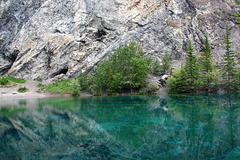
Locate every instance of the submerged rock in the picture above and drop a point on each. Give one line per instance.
(44, 38)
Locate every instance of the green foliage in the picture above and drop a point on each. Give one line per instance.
(203, 77)
(40, 90)
(156, 67)
(38, 79)
(16, 80)
(4, 81)
(177, 83)
(210, 81)
(229, 65)
(97, 81)
(10, 80)
(237, 78)
(83, 81)
(238, 2)
(208, 77)
(206, 59)
(125, 70)
(237, 17)
(140, 92)
(22, 89)
(238, 55)
(151, 88)
(191, 68)
(166, 62)
(61, 86)
(78, 84)
(75, 87)
(40, 85)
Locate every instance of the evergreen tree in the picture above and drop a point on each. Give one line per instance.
(229, 65)
(208, 76)
(166, 62)
(191, 68)
(206, 57)
(177, 83)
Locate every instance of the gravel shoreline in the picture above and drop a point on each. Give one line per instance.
(7, 93)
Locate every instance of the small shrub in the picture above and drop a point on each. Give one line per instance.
(22, 89)
(166, 62)
(156, 68)
(40, 85)
(39, 90)
(4, 81)
(151, 88)
(38, 79)
(237, 17)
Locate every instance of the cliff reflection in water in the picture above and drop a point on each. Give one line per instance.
(129, 127)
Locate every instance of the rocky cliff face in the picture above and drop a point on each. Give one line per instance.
(49, 38)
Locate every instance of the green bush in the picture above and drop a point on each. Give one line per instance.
(60, 86)
(16, 80)
(38, 79)
(177, 83)
(237, 17)
(166, 62)
(4, 81)
(151, 88)
(124, 70)
(75, 87)
(78, 84)
(22, 89)
(156, 67)
(210, 81)
(83, 81)
(40, 85)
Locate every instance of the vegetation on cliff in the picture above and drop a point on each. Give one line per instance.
(125, 70)
(204, 74)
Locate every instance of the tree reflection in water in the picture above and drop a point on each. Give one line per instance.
(128, 127)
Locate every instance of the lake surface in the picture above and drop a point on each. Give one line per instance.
(185, 127)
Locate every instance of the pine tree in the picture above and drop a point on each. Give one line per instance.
(166, 62)
(206, 57)
(191, 68)
(208, 76)
(229, 65)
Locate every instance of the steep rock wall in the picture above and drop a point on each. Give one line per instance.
(64, 37)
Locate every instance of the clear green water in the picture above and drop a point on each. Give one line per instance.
(184, 127)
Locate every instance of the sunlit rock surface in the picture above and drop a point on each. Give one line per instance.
(49, 38)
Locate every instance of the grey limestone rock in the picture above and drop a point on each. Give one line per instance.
(48, 38)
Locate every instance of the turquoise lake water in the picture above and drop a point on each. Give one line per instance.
(184, 127)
